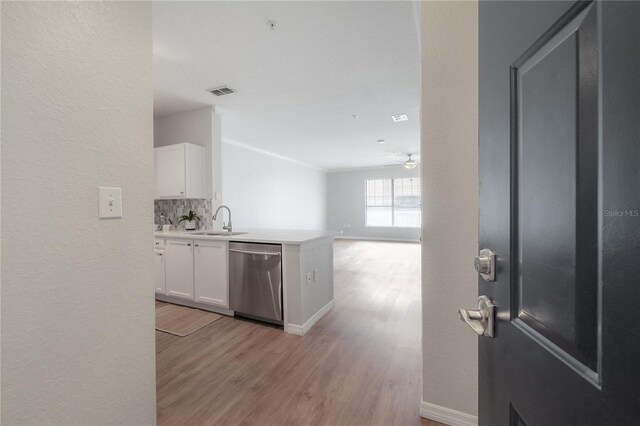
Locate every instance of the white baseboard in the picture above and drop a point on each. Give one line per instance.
(316, 317)
(397, 240)
(293, 329)
(446, 415)
(301, 330)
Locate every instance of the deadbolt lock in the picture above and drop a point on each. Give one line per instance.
(485, 264)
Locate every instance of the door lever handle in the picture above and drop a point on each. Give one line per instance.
(481, 320)
(473, 319)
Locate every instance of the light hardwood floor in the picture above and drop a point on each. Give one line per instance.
(359, 365)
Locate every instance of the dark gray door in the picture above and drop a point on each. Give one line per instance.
(559, 158)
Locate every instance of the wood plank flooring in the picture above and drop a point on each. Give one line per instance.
(359, 365)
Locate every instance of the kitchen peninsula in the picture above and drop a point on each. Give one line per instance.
(193, 268)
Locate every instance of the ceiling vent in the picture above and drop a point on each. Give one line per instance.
(222, 90)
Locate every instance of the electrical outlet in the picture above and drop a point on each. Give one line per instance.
(316, 275)
(309, 278)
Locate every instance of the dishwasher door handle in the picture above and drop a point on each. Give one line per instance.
(262, 253)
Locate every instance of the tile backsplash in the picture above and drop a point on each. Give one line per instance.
(173, 209)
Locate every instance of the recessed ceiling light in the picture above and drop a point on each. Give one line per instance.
(399, 117)
(381, 141)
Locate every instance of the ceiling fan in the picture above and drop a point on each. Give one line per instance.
(410, 163)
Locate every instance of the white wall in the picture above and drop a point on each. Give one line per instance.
(202, 127)
(78, 341)
(192, 126)
(346, 203)
(450, 188)
(264, 191)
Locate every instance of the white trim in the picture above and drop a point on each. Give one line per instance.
(194, 304)
(316, 317)
(211, 107)
(367, 168)
(398, 240)
(293, 329)
(285, 285)
(302, 330)
(272, 154)
(446, 415)
(417, 21)
(390, 227)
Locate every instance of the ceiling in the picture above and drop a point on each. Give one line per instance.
(300, 84)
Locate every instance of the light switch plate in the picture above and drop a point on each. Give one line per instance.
(109, 202)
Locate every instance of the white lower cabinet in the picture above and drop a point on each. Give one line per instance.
(194, 270)
(210, 270)
(179, 268)
(159, 272)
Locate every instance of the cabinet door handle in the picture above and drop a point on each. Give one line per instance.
(189, 245)
(197, 245)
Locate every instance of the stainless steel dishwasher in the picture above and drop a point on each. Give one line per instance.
(255, 281)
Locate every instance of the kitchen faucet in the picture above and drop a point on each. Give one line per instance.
(228, 226)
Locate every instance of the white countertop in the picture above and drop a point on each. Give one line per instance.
(274, 236)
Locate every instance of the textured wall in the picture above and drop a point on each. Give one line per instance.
(266, 192)
(77, 292)
(346, 203)
(450, 186)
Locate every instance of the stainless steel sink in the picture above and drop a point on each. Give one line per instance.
(217, 234)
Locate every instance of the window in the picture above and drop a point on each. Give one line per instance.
(393, 202)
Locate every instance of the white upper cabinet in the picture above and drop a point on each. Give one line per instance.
(179, 171)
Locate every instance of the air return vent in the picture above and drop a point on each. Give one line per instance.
(222, 90)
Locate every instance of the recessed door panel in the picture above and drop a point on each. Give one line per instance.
(555, 287)
(547, 180)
